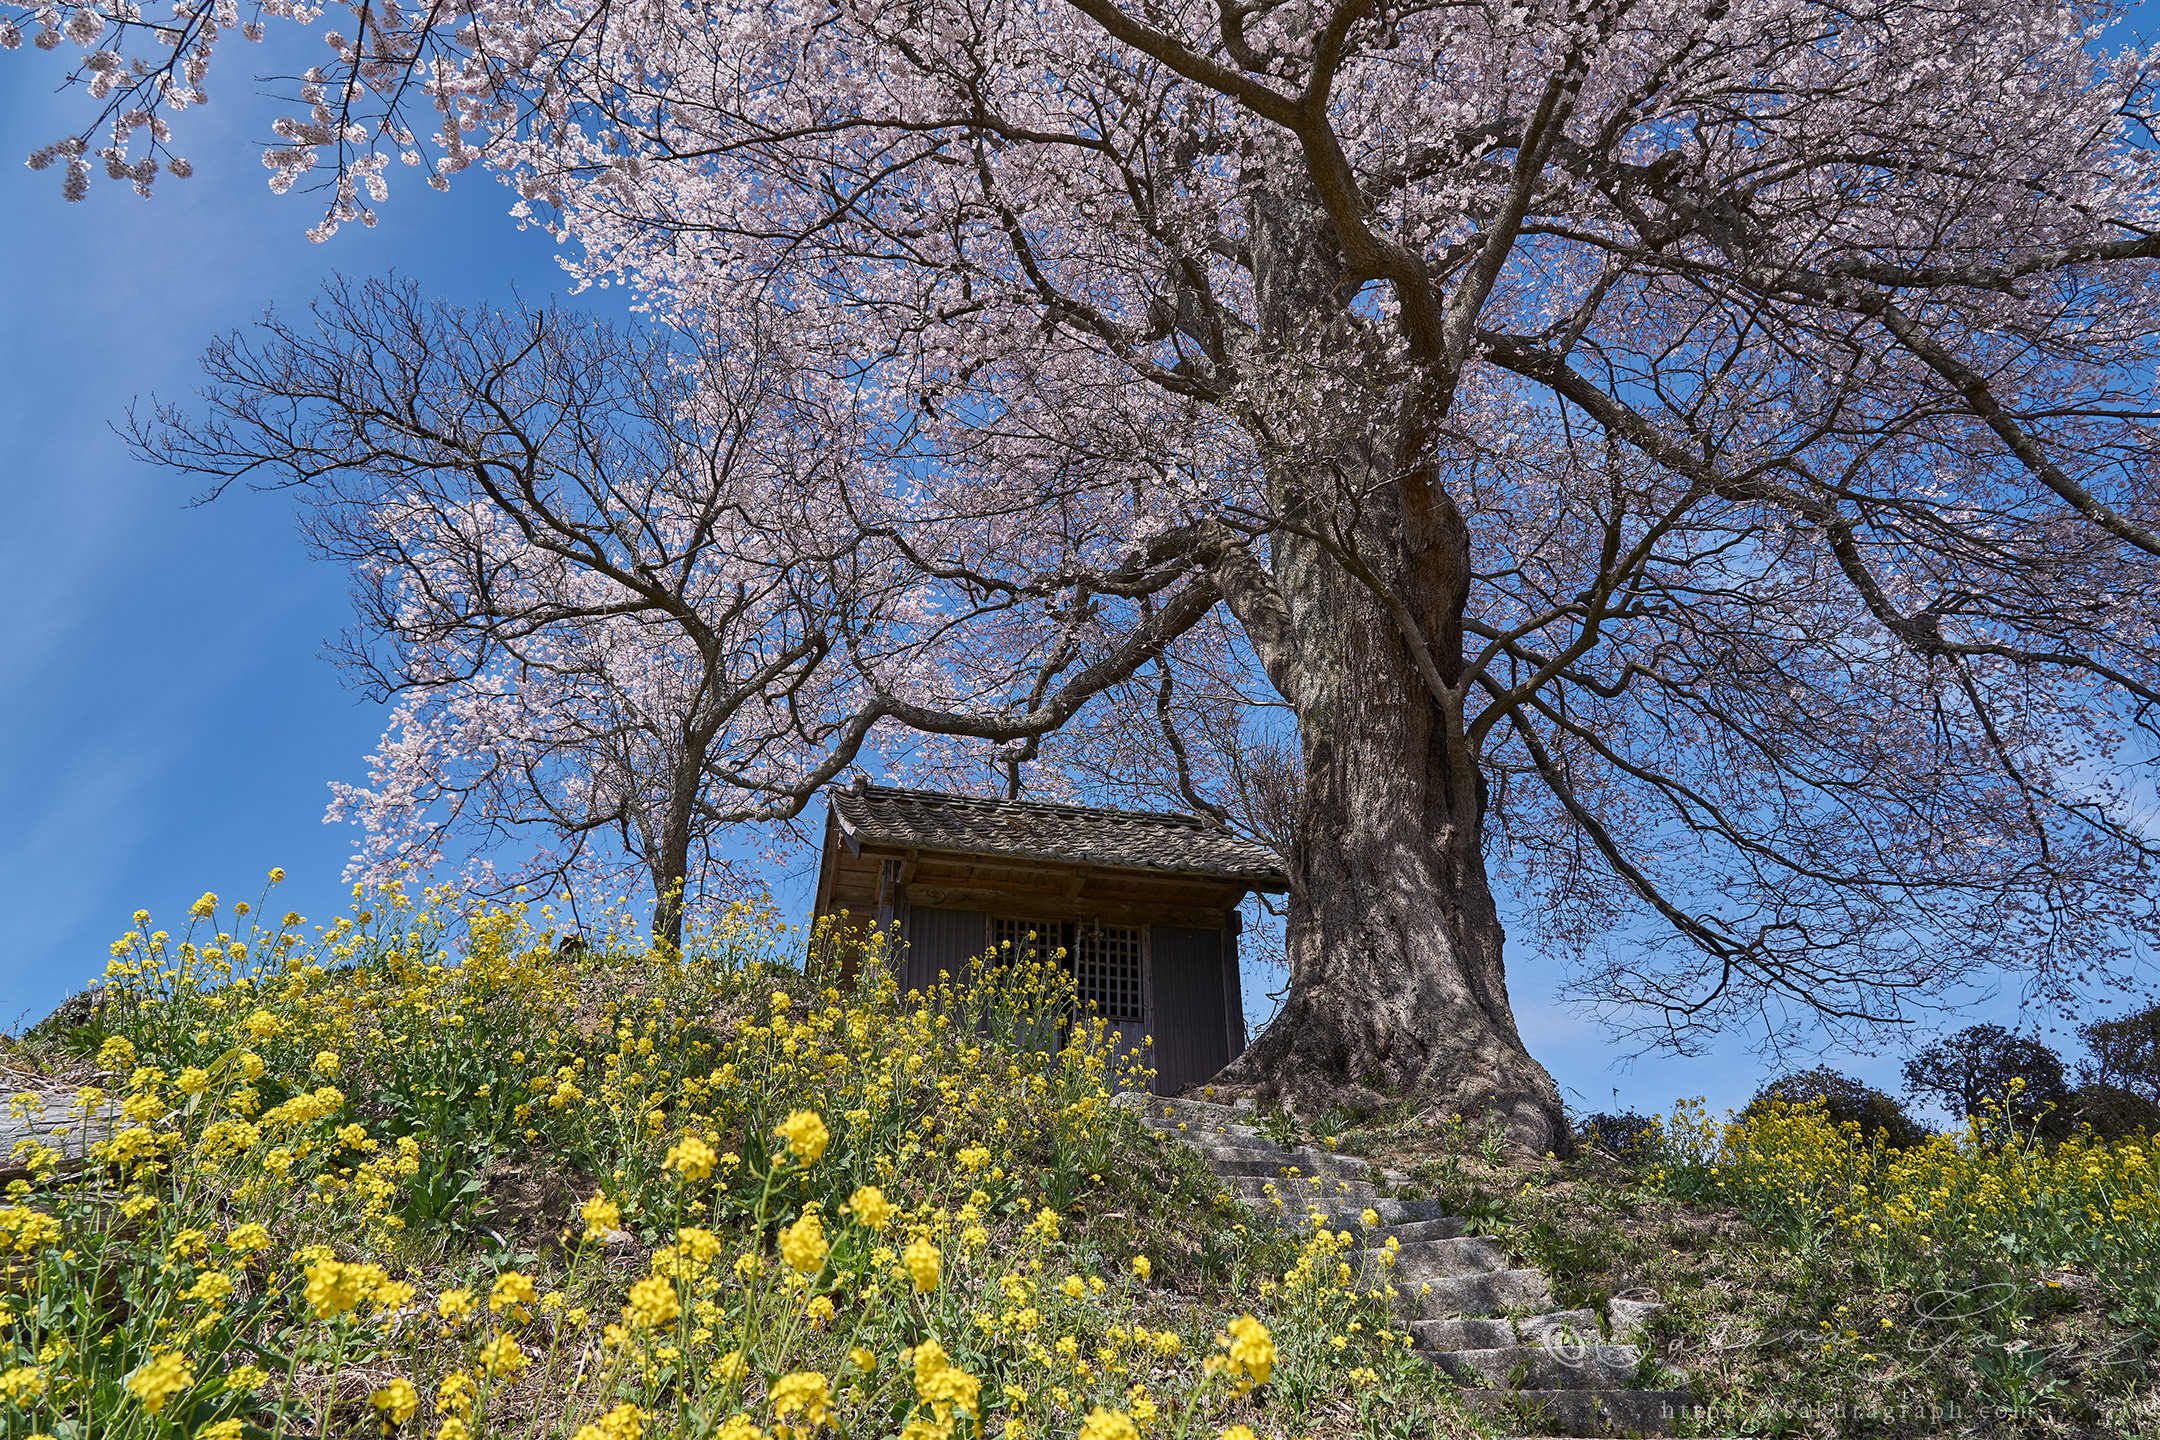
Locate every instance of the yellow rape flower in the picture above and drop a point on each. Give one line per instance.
(601, 1215)
(1104, 1424)
(803, 1393)
(212, 1287)
(391, 1295)
(872, 1209)
(942, 1385)
(653, 1304)
(513, 1292)
(1250, 1351)
(921, 1260)
(503, 1358)
(691, 1157)
(396, 1401)
(624, 1422)
(806, 1135)
(455, 1395)
(159, 1379)
(335, 1287)
(700, 1246)
(26, 1231)
(803, 1246)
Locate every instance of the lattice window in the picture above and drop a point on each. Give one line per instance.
(1106, 973)
(1049, 938)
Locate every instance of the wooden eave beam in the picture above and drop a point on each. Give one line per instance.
(828, 863)
(1095, 875)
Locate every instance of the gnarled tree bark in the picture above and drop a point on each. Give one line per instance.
(1394, 941)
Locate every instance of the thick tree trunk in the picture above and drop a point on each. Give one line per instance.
(667, 923)
(668, 856)
(1396, 983)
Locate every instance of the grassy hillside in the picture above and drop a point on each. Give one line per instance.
(1817, 1281)
(404, 1177)
(356, 1188)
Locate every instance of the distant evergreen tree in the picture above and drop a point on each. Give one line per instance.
(1975, 1073)
(2126, 1053)
(2119, 1088)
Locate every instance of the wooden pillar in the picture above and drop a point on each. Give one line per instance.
(1233, 984)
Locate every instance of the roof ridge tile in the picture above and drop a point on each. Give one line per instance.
(1056, 831)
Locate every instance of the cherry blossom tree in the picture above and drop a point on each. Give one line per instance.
(1693, 455)
(584, 569)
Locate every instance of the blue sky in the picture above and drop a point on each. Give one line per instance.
(170, 726)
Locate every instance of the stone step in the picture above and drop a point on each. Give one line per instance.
(1298, 1195)
(1556, 1329)
(1210, 1129)
(1535, 1367)
(1633, 1313)
(1463, 1334)
(1586, 1412)
(1454, 1286)
(1222, 1135)
(1396, 1217)
(1439, 1259)
(1226, 1160)
(1447, 1227)
(51, 1118)
(1563, 1327)
(1495, 1292)
(1169, 1111)
(1209, 1141)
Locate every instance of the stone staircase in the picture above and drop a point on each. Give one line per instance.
(47, 1116)
(1490, 1325)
